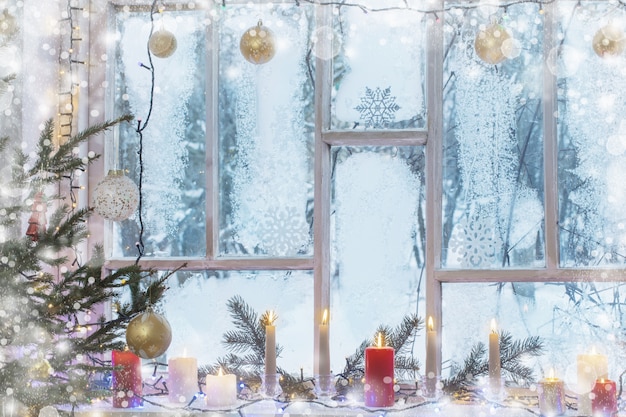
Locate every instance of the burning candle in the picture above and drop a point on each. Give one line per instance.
(221, 390)
(182, 382)
(591, 367)
(431, 359)
(324, 347)
(379, 374)
(126, 379)
(551, 396)
(494, 358)
(270, 344)
(604, 398)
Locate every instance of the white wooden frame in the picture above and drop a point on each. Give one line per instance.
(324, 140)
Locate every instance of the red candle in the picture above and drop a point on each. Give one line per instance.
(379, 374)
(126, 379)
(604, 398)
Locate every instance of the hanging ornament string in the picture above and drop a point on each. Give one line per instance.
(141, 126)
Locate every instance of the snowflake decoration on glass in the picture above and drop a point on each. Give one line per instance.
(475, 241)
(377, 108)
(283, 232)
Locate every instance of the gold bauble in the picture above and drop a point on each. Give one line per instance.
(40, 370)
(148, 334)
(488, 43)
(609, 41)
(162, 43)
(257, 44)
(8, 25)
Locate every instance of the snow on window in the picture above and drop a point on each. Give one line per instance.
(377, 251)
(592, 137)
(493, 205)
(173, 148)
(378, 69)
(265, 136)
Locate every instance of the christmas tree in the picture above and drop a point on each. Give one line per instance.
(51, 342)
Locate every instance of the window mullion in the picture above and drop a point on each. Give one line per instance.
(550, 146)
(434, 172)
(212, 142)
(321, 231)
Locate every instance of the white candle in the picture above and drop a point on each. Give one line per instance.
(270, 345)
(220, 390)
(431, 357)
(590, 367)
(324, 348)
(494, 358)
(182, 381)
(551, 396)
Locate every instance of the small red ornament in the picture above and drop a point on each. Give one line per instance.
(37, 220)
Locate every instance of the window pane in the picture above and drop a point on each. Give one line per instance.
(592, 135)
(196, 307)
(266, 136)
(377, 236)
(493, 143)
(378, 68)
(569, 317)
(173, 146)
(11, 94)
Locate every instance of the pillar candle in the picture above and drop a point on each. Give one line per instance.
(551, 396)
(604, 398)
(270, 345)
(182, 381)
(494, 358)
(126, 379)
(590, 367)
(431, 358)
(324, 346)
(379, 374)
(221, 390)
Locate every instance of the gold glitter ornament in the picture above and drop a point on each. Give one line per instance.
(40, 370)
(162, 43)
(148, 334)
(609, 41)
(489, 42)
(257, 44)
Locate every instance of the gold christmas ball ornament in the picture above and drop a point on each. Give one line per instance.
(40, 370)
(489, 43)
(609, 41)
(148, 334)
(257, 44)
(162, 43)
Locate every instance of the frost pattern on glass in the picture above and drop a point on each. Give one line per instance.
(569, 317)
(376, 244)
(173, 184)
(592, 141)
(195, 306)
(384, 49)
(265, 149)
(377, 108)
(493, 210)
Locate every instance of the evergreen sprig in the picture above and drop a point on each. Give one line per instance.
(512, 354)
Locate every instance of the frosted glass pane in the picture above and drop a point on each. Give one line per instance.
(377, 243)
(493, 142)
(592, 138)
(378, 68)
(14, 53)
(265, 136)
(570, 318)
(196, 307)
(174, 149)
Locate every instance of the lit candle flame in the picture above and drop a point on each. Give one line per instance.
(494, 327)
(220, 372)
(184, 352)
(431, 326)
(593, 350)
(271, 317)
(325, 317)
(551, 373)
(380, 339)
